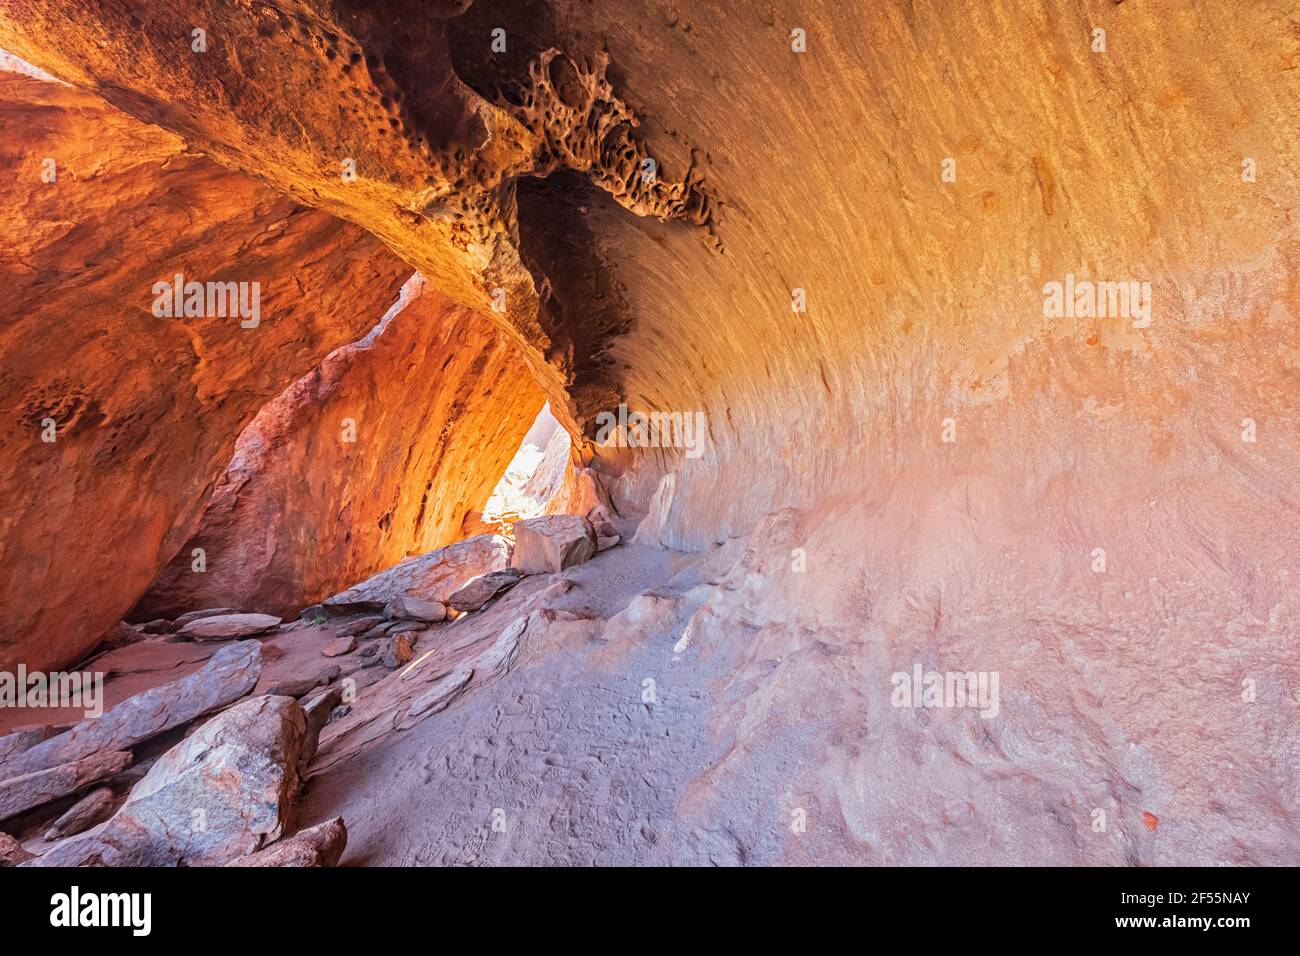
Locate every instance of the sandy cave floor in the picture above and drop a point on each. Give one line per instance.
(561, 752)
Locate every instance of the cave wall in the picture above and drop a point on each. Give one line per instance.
(357, 108)
(145, 410)
(376, 455)
(923, 466)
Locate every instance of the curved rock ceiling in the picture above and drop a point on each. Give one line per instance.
(853, 259)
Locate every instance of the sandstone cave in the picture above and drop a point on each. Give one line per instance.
(985, 552)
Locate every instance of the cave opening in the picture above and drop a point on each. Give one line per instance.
(533, 477)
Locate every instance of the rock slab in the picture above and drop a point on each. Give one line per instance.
(552, 543)
(228, 675)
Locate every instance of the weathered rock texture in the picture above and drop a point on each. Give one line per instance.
(435, 576)
(376, 455)
(227, 676)
(360, 110)
(144, 410)
(321, 845)
(42, 786)
(220, 794)
(552, 543)
(910, 462)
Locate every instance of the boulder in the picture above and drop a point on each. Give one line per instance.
(227, 676)
(407, 608)
(321, 845)
(222, 793)
(95, 807)
(227, 627)
(42, 786)
(478, 591)
(552, 543)
(431, 577)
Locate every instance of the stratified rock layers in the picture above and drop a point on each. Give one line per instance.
(120, 421)
(1099, 508)
(376, 455)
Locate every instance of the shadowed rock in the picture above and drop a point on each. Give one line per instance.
(42, 786)
(12, 852)
(93, 808)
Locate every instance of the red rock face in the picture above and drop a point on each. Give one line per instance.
(360, 110)
(375, 456)
(911, 456)
(143, 411)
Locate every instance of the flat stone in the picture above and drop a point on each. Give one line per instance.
(340, 646)
(227, 627)
(186, 618)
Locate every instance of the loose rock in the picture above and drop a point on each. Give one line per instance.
(340, 646)
(42, 786)
(398, 651)
(552, 543)
(95, 807)
(478, 591)
(228, 675)
(236, 776)
(321, 845)
(225, 627)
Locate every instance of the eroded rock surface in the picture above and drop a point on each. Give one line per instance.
(552, 543)
(219, 795)
(227, 676)
(430, 577)
(884, 451)
(377, 454)
(121, 419)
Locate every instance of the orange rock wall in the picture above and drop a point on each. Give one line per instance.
(145, 410)
(376, 455)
